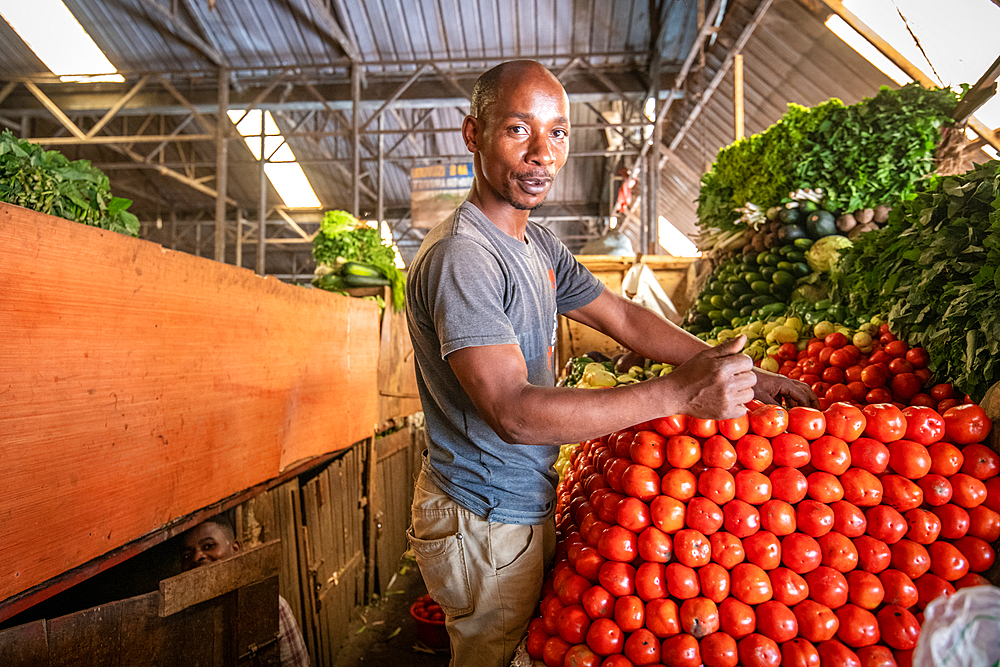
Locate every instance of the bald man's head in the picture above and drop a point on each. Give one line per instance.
(490, 85)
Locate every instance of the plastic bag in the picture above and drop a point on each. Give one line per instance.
(641, 286)
(961, 630)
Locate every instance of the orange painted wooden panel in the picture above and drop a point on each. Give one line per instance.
(138, 384)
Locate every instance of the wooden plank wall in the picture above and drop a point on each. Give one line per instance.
(575, 339)
(141, 384)
(397, 378)
(397, 467)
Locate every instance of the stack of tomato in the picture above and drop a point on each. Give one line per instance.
(795, 538)
(836, 370)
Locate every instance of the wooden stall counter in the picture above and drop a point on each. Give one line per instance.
(138, 385)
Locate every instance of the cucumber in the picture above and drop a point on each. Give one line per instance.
(360, 270)
(352, 280)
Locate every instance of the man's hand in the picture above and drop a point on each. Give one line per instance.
(716, 382)
(771, 387)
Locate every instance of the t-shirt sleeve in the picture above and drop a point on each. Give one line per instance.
(464, 296)
(576, 286)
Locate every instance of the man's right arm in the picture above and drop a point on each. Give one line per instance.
(715, 383)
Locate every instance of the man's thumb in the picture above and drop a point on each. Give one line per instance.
(727, 347)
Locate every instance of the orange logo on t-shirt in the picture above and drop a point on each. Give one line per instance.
(552, 278)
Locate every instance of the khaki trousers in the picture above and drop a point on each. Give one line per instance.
(486, 576)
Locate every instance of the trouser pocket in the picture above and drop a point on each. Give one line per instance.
(442, 563)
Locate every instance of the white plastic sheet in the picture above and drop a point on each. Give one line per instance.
(962, 630)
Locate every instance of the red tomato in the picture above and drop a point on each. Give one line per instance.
(937, 489)
(970, 580)
(682, 581)
(799, 653)
(598, 603)
(910, 558)
(630, 613)
(817, 622)
(776, 621)
(683, 650)
(909, 459)
(643, 648)
(753, 487)
(790, 449)
(778, 517)
(571, 589)
(669, 426)
(650, 582)
(830, 454)
(814, 518)
(617, 578)
(718, 650)
(901, 493)
(717, 485)
(655, 545)
(873, 554)
(763, 549)
(875, 375)
(885, 422)
(940, 392)
(848, 519)
(968, 492)
(573, 624)
(984, 523)
(662, 617)
(833, 652)
(827, 586)
(861, 487)
(648, 448)
(800, 553)
(931, 586)
(641, 482)
(981, 462)
(679, 483)
(864, 589)
(692, 548)
(581, 656)
(923, 425)
(918, 357)
(858, 627)
(536, 643)
(554, 651)
(718, 452)
(905, 386)
(788, 484)
(966, 423)
(769, 421)
(667, 513)
(844, 421)
(632, 514)
(736, 618)
(898, 627)
(947, 561)
(605, 637)
(754, 452)
(704, 515)
(702, 428)
(618, 544)
(924, 526)
(699, 617)
(955, 521)
(946, 458)
(756, 650)
(735, 428)
(825, 487)
(727, 550)
(714, 580)
(899, 588)
(750, 584)
(808, 423)
(886, 524)
(870, 454)
(788, 587)
(741, 518)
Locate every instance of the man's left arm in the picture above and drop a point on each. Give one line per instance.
(646, 333)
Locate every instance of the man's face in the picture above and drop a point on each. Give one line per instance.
(523, 140)
(207, 543)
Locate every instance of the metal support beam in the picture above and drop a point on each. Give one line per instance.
(380, 186)
(222, 166)
(914, 72)
(611, 85)
(117, 106)
(332, 27)
(392, 99)
(55, 111)
(262, 211)
(124, 140)
(451, 81)
(356, 139)
(738, 93)
(185, 33)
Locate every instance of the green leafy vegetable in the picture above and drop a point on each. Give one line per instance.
(343, 238)
(47, 182)
(934, 269)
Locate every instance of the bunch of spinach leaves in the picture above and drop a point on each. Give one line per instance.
(342, 238)
(935, 269)
(46, 181)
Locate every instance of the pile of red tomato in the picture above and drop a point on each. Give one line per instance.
(892, 371)
(797, 538)
(427, 609)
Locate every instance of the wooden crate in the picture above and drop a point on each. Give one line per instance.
(140, 384)
(672, 273)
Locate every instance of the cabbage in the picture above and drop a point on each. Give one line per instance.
(823, 254)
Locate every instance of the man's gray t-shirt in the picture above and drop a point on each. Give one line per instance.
(471, 285)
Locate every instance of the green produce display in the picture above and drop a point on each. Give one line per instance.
(349, 253)
(935, 269)
(859, 156)
(48, 182)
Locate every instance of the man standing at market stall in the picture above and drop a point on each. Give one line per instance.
(483, 298)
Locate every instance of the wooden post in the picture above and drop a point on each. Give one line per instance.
(262, 210)
(356, 139)
(221, 166)
(738, 87)
(370, 491)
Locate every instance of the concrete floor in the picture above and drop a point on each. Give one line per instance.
(386, 634)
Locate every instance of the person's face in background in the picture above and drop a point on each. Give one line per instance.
(207, 543)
